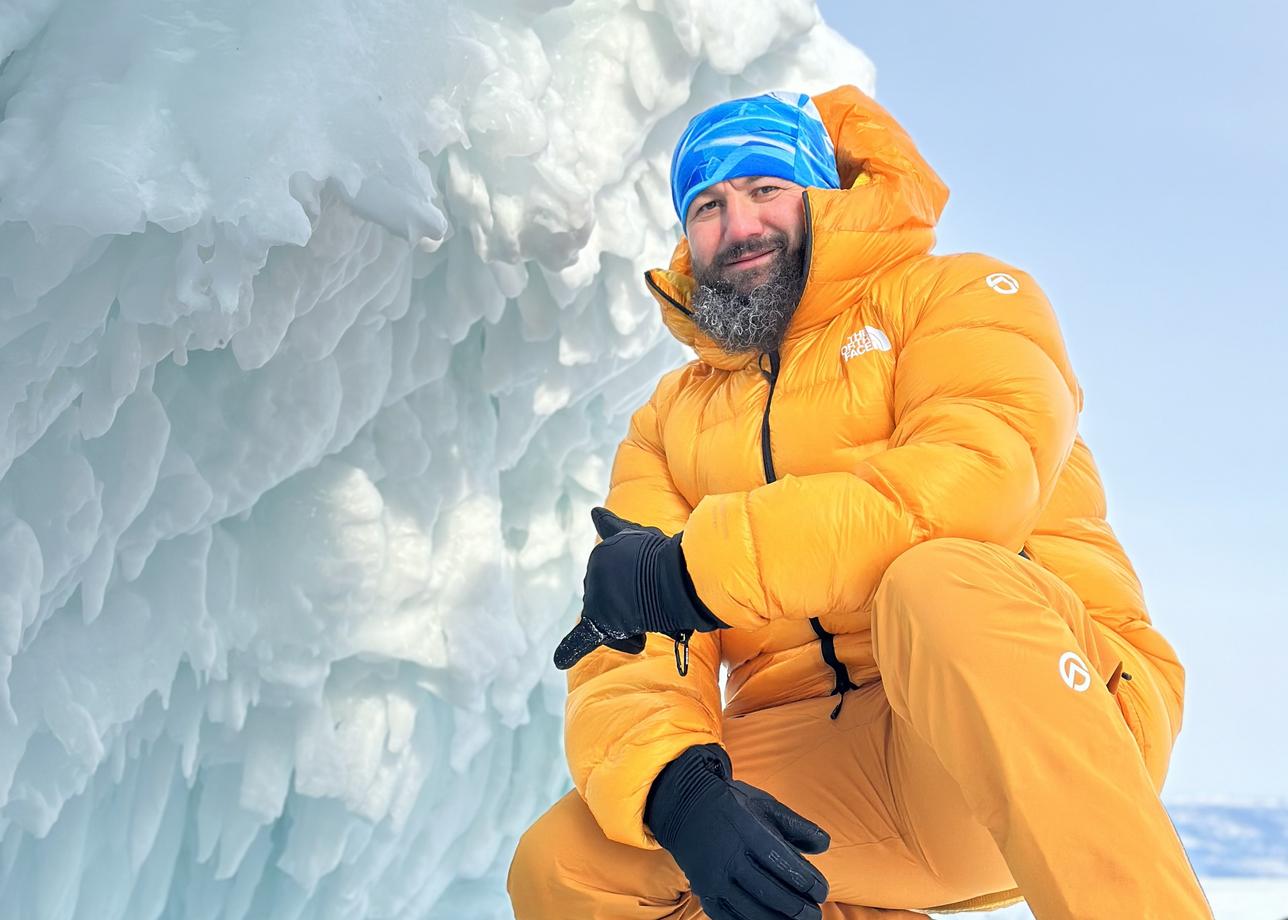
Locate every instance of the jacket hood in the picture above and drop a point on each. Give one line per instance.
(885, 211)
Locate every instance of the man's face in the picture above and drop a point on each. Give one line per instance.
(747, 238)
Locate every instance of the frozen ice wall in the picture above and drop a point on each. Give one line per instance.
(319, 323)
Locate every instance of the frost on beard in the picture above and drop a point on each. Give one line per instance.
(319, 324)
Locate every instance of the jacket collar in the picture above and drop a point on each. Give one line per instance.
(885, 212)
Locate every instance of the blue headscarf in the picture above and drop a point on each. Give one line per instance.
(776, 134)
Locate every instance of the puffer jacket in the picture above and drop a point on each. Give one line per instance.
(914, 396)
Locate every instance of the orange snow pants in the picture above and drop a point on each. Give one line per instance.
(992, 759)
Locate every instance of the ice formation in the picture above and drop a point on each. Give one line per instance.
(319, 323)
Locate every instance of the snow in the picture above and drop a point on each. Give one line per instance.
(319, 323)
(1230, 898)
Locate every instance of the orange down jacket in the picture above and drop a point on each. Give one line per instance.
(914, 396)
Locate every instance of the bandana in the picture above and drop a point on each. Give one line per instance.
(777, 134)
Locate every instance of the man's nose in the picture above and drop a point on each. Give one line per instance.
(742, 219)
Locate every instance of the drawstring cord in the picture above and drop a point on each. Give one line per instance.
(839, 703)
(843, 689)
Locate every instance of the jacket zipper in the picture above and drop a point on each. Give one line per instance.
(648, 279)
(827, 642)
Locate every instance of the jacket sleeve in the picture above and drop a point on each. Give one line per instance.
(628, 716)
(985, 410)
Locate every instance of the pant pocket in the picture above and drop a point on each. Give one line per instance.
(1129, 705)
(1137, 695)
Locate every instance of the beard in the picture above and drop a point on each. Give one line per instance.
(741, 320)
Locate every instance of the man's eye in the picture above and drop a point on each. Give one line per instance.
(769, 188)
(705, 206)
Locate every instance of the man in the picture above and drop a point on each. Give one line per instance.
(868, 499)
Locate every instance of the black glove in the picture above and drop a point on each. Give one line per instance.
(739, 846)
(636, 582)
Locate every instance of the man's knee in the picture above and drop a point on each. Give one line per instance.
(939, 587)
(948, 589)
(924, 580)
(932, 561)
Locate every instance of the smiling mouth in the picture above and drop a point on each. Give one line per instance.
(753, 259)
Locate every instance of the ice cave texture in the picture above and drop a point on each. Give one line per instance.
(319, 325)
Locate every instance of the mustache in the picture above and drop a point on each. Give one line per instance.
(752, 247)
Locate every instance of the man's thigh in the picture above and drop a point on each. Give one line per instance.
(902, 836)
(565, 867)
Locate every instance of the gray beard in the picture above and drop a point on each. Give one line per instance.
(756, 319)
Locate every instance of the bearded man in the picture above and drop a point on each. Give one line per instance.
(867, 498)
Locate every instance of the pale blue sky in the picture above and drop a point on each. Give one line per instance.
(1134, 159)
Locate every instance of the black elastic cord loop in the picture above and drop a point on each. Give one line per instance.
(682, 639)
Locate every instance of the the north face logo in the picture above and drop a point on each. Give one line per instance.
(869, 338)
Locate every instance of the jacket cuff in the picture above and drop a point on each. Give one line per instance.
(712, 536)
(679, 589)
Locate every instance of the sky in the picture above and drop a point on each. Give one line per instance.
(1134, 159)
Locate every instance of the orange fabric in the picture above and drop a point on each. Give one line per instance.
(920, 397)
(972, 767)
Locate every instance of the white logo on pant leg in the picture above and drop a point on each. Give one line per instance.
(869, 338)
(1075, 672)
(1003, 283)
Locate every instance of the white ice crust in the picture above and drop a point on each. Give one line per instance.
(320, 321)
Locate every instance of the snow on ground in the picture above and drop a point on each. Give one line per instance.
(1231, 899)
(319, 321)
(1248, 898)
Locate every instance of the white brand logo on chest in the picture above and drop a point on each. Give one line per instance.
(869, 338)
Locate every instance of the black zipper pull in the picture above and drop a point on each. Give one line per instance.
(682, 639)
(842, 690)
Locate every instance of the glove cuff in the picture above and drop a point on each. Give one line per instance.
(683, 785)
